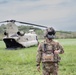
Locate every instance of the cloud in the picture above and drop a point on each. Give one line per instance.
(45, 12)
(3, 1)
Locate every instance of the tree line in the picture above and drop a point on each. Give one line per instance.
(39, 32)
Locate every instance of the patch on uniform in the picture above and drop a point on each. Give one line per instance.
(47, 57)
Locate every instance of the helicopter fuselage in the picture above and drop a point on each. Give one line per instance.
(17, 41)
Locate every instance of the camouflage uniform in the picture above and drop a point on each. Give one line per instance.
(49, 67)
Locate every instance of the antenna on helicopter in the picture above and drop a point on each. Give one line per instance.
(23, 23)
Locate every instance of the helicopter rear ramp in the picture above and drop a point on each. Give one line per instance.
(12, 44)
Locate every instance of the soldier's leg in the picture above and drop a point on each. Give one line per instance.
(47, 68)
(45, 72)
(55, 70)
(44, 69)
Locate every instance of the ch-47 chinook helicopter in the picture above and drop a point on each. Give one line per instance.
(17, 39)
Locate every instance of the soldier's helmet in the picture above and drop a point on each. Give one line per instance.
(50, 33)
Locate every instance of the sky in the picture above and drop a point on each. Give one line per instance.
(59, 14)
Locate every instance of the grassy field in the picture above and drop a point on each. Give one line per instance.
(23, 61)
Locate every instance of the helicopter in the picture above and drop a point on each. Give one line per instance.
(18, 39)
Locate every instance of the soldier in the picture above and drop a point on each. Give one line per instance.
(48, 53)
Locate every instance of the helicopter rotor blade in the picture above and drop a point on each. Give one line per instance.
(8, 21)
(3, 21)
(31, 24)
(24, 23)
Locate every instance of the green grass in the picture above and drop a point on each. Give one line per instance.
(23, 61)
(68, 63)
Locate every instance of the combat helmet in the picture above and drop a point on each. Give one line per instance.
(50, 33)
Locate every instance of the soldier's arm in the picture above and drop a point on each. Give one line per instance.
(39, 55)
(60, 49)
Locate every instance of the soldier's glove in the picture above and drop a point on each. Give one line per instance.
(56, 51)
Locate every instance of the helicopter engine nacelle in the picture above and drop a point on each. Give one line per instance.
(5, 33)
(20, 33)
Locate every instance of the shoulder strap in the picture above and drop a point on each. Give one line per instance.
(45, 47)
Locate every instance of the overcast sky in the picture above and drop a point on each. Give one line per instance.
(60, 14)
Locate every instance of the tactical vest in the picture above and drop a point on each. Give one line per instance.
(48, 53)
